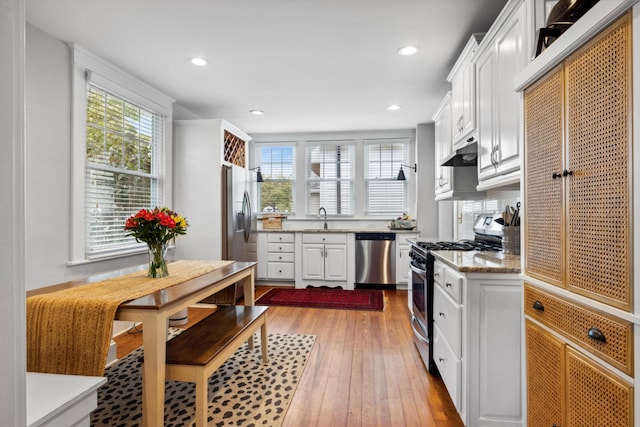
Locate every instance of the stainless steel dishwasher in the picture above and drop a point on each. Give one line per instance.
(375, 260)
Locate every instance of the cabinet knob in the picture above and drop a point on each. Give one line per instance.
(538, 306)
(567, 173)
(280, 247)
(596, 334)
(279, 257)
(556, 175)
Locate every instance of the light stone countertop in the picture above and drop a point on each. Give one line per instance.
(479, 262)
(337, 230)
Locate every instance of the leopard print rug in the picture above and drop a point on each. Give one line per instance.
(242, 392)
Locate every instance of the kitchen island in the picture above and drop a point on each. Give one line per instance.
(477, 334)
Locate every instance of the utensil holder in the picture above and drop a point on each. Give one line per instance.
(511, 240)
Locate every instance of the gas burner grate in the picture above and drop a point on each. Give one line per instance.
(461, 245)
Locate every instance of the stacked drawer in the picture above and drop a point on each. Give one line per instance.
(280, 256)
(447, 330)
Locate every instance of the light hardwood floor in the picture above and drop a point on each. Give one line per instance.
(364, 369)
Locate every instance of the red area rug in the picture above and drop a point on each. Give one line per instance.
(359, 299)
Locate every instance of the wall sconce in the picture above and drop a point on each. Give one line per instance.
(401, 176)
(258, 174)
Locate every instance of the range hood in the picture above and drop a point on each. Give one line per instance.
(463, 156)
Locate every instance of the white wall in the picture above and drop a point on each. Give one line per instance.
(48, 166)
(12, 298)
(428, 209)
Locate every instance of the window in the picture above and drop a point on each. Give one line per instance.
(124, 167)
(277, 166)
(384, 193)
(329, 171)
(121, 156)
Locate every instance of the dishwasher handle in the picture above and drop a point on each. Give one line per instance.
(375, 236)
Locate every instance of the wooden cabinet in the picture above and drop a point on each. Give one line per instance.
(463, 92)
(578, 150)
(443, 146)
(324, 259)
(477, 344)
(502, 54)
(566, 388)
(578, 245)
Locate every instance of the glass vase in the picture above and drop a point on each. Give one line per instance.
(157, 261)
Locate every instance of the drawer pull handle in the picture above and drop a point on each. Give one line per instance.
(448, 285)
(441, 314)
(436, 274)
(597, 335)
(538, 306)
(441, 359)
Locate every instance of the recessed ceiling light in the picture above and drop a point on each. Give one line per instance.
(408, 50)
(199, 61)
(393, 107)
(257, 112)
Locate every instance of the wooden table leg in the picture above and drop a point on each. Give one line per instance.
(249, 296)
(154, 337)
(249, 288)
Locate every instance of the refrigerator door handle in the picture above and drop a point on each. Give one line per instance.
(246, 210)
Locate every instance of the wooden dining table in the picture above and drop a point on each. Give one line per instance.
(154, 311)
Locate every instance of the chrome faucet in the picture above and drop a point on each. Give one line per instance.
(325, 216)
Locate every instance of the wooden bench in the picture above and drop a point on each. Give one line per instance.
(197, 352)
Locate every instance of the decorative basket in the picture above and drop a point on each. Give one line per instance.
(272, 222)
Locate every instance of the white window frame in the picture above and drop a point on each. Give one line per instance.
(351, 143)
(87, 67)
(258, 163)
(404, 160)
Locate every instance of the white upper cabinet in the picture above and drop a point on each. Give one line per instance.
(442, 127)
(503, 53)
(463, 92)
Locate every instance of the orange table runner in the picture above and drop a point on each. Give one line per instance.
(69, 331)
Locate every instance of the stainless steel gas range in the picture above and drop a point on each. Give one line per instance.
(488, 237)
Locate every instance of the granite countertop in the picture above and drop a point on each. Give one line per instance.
(337, 230)
(479, 262)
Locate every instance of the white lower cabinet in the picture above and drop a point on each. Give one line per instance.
(276, 256)
(324, 259)
(402, 257)
(477, 344)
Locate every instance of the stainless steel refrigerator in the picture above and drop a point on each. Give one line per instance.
(239, 240)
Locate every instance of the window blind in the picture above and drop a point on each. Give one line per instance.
(329, 172)
(385, 195)
(277, 165)
(124, 152)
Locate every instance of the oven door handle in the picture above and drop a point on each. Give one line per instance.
(416, 332)
(418, 270)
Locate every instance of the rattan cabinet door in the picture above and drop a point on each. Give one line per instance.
(596, 397)
(597, 170)
(545, 373)
(543, 109)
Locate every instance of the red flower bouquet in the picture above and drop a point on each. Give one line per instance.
(156, 228)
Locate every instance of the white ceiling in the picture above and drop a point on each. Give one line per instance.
(311, 65)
